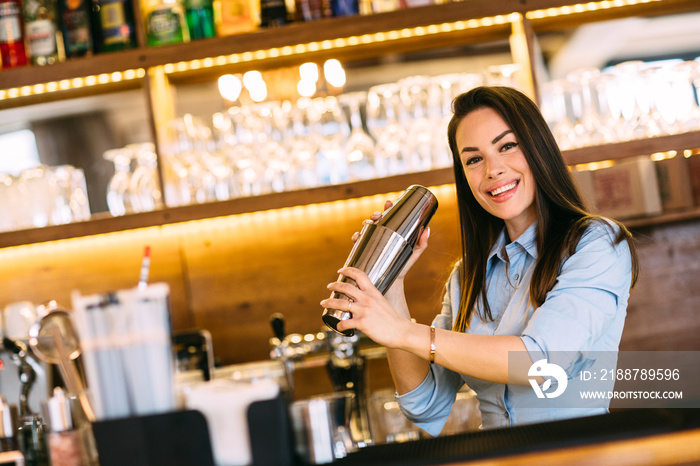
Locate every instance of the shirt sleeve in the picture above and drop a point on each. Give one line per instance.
(587, 304)
(429, 404)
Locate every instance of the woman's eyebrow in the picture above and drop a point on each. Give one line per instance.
(496, 139)
(500, 136)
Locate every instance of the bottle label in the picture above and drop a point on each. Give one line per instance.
(77, 24)
(10, 26)
(41, 37)
(113, 20)
(164, 27)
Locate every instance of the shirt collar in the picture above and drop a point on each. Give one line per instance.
(525, 241)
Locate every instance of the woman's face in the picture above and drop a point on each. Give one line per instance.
(496, 169)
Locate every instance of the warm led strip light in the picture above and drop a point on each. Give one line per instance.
(343, 42)
(289, 50)
(75, 83)
(584, 8)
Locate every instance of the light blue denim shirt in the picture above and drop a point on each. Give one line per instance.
(585, 311)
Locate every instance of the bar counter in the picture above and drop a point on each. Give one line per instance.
(631, 437)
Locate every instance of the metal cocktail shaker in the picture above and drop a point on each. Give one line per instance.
(384, 247)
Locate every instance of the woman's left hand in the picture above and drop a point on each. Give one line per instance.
(372, 314)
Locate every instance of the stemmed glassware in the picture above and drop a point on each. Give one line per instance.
(327, 125)
(555, 110)
(359, 146)
(145, 186)
(414, 99)
(383, 103)
(119, 188)
(301, 143)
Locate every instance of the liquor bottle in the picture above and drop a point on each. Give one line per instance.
(165, 24)
(236, 16)
(75, 25)
(113, 25)
(41, 31)
(11, 34)
(273, 13)
(200, 18)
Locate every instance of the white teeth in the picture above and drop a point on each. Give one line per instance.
(503, 189)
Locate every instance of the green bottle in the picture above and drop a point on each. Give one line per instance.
(200, 18)
(165, 24)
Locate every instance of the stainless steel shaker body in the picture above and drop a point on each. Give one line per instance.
(384, 247)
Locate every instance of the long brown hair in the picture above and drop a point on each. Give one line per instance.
(562, 216)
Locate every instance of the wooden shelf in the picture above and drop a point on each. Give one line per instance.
(319, 31)
(104, 223)
(620, 150)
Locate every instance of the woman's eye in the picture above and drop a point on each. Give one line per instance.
(509, 146)
(472, 160)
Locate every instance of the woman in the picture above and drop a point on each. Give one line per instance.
(539, 276)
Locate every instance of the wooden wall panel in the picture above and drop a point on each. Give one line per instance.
(46, 271)
(664, 307)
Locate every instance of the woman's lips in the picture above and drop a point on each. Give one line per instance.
(502, 190)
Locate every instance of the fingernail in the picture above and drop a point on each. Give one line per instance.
(377, 213)
(428, 234)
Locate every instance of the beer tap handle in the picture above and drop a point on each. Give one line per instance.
(277, 322)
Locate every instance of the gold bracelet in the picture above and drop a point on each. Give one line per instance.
(432, 344)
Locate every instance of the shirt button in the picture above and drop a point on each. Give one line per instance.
(517, 276)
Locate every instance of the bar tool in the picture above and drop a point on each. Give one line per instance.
(54, 340)
(384, 246)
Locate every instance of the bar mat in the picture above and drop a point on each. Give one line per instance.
(528, 438)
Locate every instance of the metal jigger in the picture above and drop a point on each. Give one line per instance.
(384, 247)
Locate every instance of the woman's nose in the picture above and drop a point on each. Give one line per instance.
(494, 167)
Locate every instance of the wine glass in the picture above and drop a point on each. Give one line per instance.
(145, 186)
(359, 146)
(556, 112)
(414, 99)
(383, 124)
(301, 141)
(327, 127)
(119, 197)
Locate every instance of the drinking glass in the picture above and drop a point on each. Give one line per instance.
(35, 205)
(118, 189)
(556, 112)
(383, 124)
(278, 175)
(632, 91)
(504, 75)
(327, 126)
(7, 198)
(301, 141)
(359, 146)
(414, 100)
(243, 152)
(145, 186)
(188, 181)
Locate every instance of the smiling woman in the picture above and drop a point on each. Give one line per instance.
(539, 277)
(496, 170)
